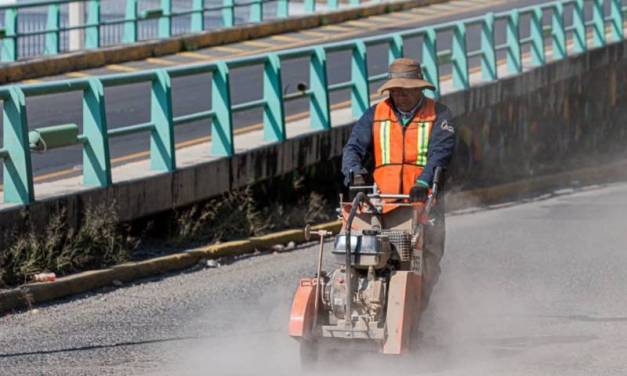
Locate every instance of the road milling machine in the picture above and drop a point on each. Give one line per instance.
(373, 296)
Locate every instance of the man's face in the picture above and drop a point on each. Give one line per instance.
(405, 99)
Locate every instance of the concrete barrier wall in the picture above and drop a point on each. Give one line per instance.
(565, 115)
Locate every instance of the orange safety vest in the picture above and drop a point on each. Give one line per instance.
(400, 152)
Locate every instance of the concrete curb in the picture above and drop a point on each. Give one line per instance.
(68, 62)
(30, 294)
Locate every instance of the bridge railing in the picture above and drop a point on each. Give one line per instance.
(43, 27)
(96, 137)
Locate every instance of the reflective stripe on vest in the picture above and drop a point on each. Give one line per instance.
(384, 138)
(424, 131)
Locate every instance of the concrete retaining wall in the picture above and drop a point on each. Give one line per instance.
(565, 115)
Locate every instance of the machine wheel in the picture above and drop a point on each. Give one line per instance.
(309, 352)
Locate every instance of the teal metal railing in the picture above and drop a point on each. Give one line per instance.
(42, 27)
(96, 137)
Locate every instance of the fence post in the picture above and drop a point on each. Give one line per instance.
(162, 147)
(460, 59)
(9, 42)
(256, 11)
(96, 161)
(488, 54)
(130, 22)
(537, 38)
(228, 13)
(579, 22)
(198, 17)
(559, 34)
(92, 33)
(396, 49)
(273, 111)
(282, 8)
(598, 18)
(332, 4)
(17, 168)
(309, 6)
(52, 30)
(514, 58)
(222, 124)
(165, 21)
(319, 100)
(430, 61)
(360, 92)
(616, 13)
(354, 2)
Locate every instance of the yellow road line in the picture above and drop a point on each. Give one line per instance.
(363, 23)
(336, 28)
(319, 34)
(286, 38)
(32, 81)
(120, 68)
(157, 61)
(196, 55)
(226, 49)
(256, 43)
(403, 16)
(77, 74)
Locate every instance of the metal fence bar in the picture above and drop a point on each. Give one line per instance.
(579, 23)
(460, 59)
(537, 38)
(130, 24)
(598, 19)
(228, 13)
(17, 168)
(273, 110)
(165, 21)
(9, 42)
(52, 29)
(96, 159)
(488, 58)
(92, 33)
(430, 60)
(198, 16)
(514, 57)
(162, 147)
(222, 125)
(558, 32)
(616, 13)
(319, 100)
(360, 91)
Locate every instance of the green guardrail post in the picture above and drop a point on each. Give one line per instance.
(92, 33)
(360, 92)
(460, 59)
(616, 13)
(52, 29)
(256, 11)
(130, 22)
(165, 21)
(198, 16)
(309, 6)
(319, 101)
(537, 38)
(96, 161)
(9, 42)
(273, 111)
(162, 147)
(430, 61)
(282, 8)
(332, 4)
(559, 34)
(396, 49)
(598, 18)
(488, 53)
(17, 168)
(228, 13)
(514, 57)
(579, 22)
(222, 124)
(354, 3)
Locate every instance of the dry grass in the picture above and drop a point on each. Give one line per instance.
(98, 242)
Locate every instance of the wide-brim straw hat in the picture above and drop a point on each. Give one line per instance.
(405, 73)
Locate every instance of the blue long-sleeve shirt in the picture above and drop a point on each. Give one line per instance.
(359, 147)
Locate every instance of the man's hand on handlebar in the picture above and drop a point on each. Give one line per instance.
(419, 192)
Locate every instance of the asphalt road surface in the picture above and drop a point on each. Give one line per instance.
(130, 104)
(532, 288)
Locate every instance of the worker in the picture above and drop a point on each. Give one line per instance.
(405, 137)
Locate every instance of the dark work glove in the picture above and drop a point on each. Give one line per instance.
(359, 179)
(418, 193)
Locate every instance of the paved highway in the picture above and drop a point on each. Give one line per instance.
(131, 104)
(532, 288)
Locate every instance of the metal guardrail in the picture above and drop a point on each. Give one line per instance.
(96, 137)
(42, 28)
